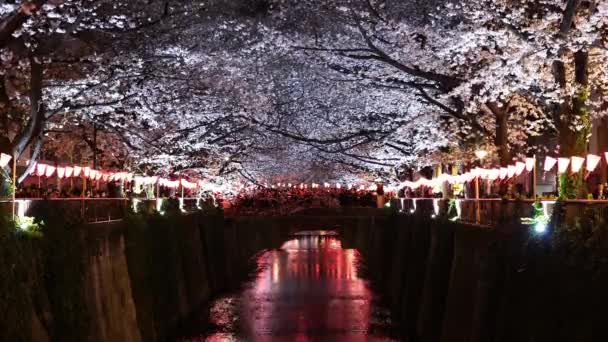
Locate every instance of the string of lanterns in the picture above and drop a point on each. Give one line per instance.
(64, 172)
(503, 173)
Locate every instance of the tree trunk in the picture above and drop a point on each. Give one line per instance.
(501, 136)
(36, 122)
(94, 146)
(574, 126)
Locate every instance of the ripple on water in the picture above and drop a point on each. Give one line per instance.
(309, 290)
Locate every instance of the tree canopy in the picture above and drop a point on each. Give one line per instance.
(268, 90)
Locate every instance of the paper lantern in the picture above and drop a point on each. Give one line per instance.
(519, 168)
(549, 163)
(69, 171)
(576, 163)
(493, 174)
(61, 172)
(592, 162)
(511, 171)
(188, 185)
(4, 159)
(40, 169)
(503, 172)
(562, 164)
(530, 162)
(77, 170)
(49, 170)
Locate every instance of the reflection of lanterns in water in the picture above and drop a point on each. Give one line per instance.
(275, 269)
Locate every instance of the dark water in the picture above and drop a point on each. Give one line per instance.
(309, 290)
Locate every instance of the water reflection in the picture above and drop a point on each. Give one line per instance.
(308, 290)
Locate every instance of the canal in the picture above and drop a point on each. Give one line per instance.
(310, 289)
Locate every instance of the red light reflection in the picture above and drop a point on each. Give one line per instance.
(307, 290)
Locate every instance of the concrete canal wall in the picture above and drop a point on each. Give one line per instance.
(139, 278)
(131, 280)
(452, 282)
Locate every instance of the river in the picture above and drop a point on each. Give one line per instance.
(308, 290)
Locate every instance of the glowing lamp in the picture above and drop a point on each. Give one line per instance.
(50, 170)
(576, 163)
(511, 171)
(4, 159)
(530, 162)
(69, 171)
(540, 227)
(549, 163)
(40, 169)
(98, 175)
(592, 162)
(519, 168)
(562, 164)
(493, 174)
(503, 173)
(61, 172)
(87, 172)
(77, 170)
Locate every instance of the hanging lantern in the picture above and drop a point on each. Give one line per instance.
(562, 164)
(40, 169)
(530, 162)
(493, 174)
(61, 172)
(511, 171)
(4, 159)
(504, 172)
(87, 172)
(49, 170)
(592, 162)
(77, 170)
(69, 171)
(519, 168)
(549, 163)
(576, 163)
(98, 175)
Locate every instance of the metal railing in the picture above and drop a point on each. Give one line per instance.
(486, 212)
(90, 209)
(493, 211)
